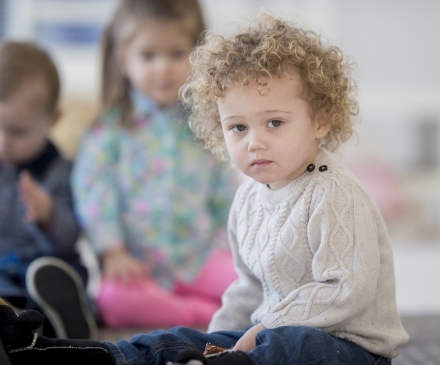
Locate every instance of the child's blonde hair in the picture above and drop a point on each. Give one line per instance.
(275, 48)
(129, 16)
(19, 61)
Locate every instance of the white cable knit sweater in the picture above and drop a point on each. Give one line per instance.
(314, 253)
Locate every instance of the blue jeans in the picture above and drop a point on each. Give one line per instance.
(278, 346)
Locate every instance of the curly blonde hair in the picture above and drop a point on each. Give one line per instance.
(270, 47)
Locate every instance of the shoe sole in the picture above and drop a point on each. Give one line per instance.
(58, 290)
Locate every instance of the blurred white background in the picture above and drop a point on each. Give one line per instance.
(396, 46)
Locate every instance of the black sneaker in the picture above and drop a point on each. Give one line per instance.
(4, 357)
(20, 345)
(57, 288)
(228, 357)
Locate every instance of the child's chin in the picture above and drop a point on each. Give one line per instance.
(262, 178)
(264, 181)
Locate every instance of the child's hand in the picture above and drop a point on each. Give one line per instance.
(38, 202)
(119, 265)
(247, 341)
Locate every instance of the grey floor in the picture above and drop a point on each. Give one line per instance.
(424, 345)
(423, 348)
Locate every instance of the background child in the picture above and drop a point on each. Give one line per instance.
(153, 203)
(315, 266)
(36, 215)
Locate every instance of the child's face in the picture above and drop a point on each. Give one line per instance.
(24, 123)
(156, 61)
(271, 138)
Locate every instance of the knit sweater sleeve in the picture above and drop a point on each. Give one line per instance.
(343, 238)
(244, 295)
(95, 187)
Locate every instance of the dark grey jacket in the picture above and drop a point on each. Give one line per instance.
(28, 241)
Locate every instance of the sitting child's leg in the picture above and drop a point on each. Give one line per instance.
(293, 345)
(216, 275)
(308, 345)
(160, 347)
(24, 347)
(189, 305)
(147, 304)
(282, 345)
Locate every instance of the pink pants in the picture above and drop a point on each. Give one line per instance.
(146, 304)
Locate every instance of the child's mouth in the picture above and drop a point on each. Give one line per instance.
(260, 163)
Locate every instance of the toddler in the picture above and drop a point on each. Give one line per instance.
(315, 267)
(39, 267)
(153, 202)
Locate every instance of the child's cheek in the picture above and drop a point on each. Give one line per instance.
(232, 149)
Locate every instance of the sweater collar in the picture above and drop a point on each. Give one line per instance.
(38, 166)
(278, 196)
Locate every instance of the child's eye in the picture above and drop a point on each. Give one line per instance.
(239, 128)
(274, 123)
(147, 56)
(17, 132)
(178, 55)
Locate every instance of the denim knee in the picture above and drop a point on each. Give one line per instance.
(308, 336)
(306, 345)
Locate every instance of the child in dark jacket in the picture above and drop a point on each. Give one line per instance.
(39, 267)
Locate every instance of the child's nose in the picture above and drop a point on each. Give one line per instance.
(256, 141)
(163, 65)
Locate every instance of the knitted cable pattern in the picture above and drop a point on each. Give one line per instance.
(314, 253)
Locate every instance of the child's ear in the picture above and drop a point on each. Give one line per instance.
(323, 124)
